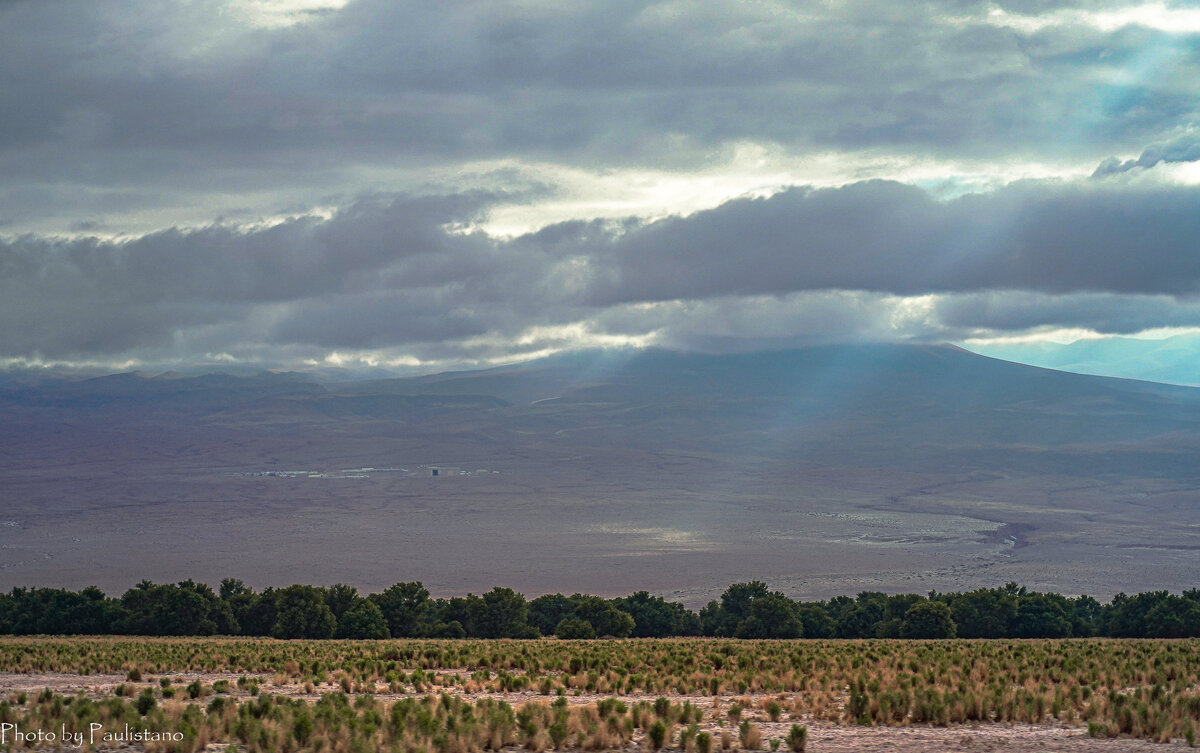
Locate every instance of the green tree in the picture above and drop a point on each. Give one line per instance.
(240, 599)
(546, 611)
(1042, 616)
(897, 605)
(984, 613)
(603, 616)
(855, 622)
(573, 628)
(186, 608)
(771, 616)
(57, 611)
(738, 597)
(928, 619)
(722, 619)
(301, 612)
(872, 607)
(340, 597)
(816, 621)
(260, 615)
(714, 621)
(500, 613)
(1086, 617)
(654, 616)
(1173, 617)
(451, 629)
(363, 620)
(407, 608)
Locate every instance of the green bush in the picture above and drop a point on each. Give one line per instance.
(657, 734)
(774, 711)
(797, 738)
(145, 702)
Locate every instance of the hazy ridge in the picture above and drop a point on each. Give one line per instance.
(893, 467)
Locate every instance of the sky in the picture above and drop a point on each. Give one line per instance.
(374, 184)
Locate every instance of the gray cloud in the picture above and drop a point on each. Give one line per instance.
(1106, 313)
(1184, 148)
(72, 297)
(889, 237)
(733, 323)
(381, 319)
(109, 99)
(147, 120)
(393, 274)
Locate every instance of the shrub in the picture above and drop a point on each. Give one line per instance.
(797, 738)
(749, 736)
(558, 732)
(774, 710)
(657, 734)
(662, 707)
(302, 727)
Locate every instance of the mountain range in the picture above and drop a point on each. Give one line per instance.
(823, 470)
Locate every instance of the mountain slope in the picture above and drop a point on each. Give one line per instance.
(827, 469)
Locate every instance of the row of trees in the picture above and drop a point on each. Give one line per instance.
(745, 610)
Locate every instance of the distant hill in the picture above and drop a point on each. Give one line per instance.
(878, 398)
(832, 468)
(865, 403)
(1172, 360)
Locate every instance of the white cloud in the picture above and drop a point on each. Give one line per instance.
(273, 14)
(1156, 16)
(746, 170)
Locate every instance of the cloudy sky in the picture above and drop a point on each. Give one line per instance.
(418, 185)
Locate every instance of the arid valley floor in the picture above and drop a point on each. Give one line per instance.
(680, 474)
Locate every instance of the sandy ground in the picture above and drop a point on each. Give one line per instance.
(823, 735)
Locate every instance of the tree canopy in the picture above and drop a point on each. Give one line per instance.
(744, 610)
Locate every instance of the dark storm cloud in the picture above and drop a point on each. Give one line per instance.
(381, 319)
(1106, 313)
(87, 296)
(895, 238)
(811, 265)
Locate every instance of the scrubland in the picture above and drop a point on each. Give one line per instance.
(694, 695)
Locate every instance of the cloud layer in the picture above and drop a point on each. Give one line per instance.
(872, 260)
(212, 181)
(189, 111)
